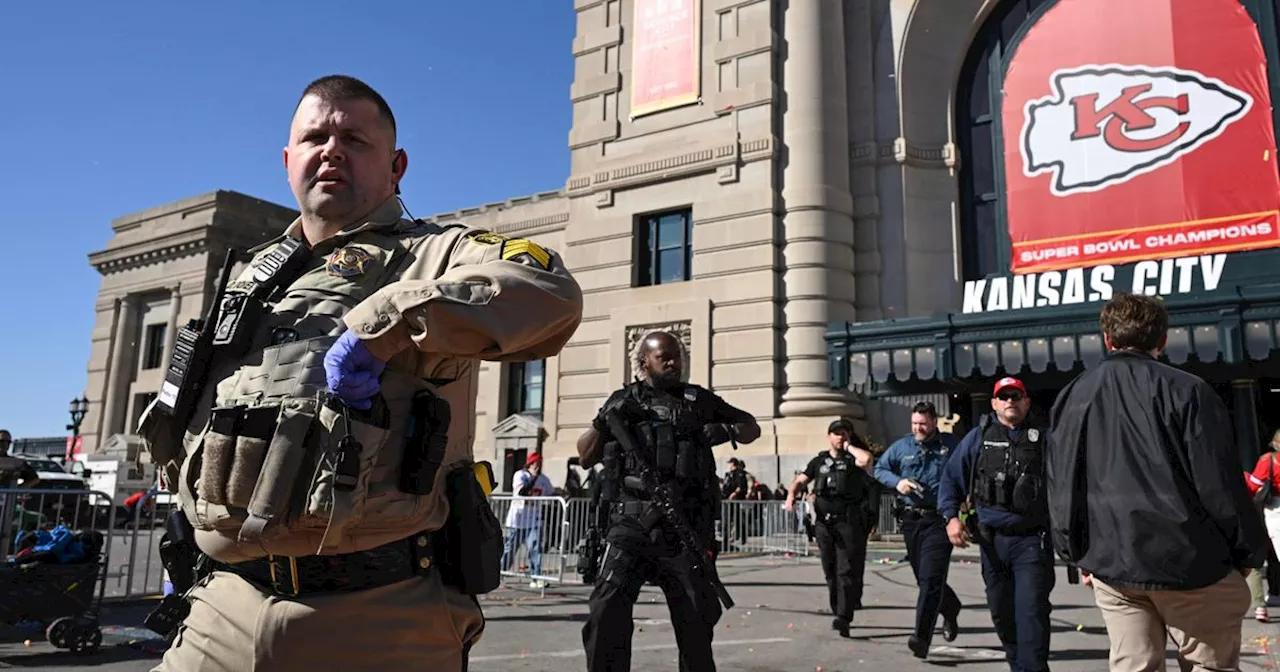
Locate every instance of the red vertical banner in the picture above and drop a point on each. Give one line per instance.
(666, 54)
(1138, 129)
(75, 446)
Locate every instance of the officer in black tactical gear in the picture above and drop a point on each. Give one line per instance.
(998, 471)
(675, 425)
(839, 475)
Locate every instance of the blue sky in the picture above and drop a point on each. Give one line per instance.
(113, 107)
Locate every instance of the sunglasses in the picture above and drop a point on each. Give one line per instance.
(1011, 396)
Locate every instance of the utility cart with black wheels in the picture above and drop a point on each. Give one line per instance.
(66, 597)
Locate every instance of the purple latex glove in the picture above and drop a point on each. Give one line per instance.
(352, 371)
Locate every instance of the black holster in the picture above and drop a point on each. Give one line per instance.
(179, 556)
(469, 546)
(424, 449)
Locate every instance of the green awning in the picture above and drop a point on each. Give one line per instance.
(1228, 327)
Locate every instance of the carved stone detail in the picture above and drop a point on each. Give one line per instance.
(682, 329)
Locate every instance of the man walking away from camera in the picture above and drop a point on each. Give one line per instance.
(1145, 496)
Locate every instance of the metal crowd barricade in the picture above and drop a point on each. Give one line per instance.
(757, 527)
(24, 511)
(537, 538)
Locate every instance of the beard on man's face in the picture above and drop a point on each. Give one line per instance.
(665, 378)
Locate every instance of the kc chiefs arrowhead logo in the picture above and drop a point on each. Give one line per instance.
(1105, 124)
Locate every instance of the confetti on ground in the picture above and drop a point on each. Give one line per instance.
(791, 626)
(1079, 627)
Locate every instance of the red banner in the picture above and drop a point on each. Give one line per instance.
(1138, 129)
(666, 68)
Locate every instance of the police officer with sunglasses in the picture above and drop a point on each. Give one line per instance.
(998, 470)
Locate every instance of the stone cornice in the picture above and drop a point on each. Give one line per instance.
(901, 151)
(660, 169)
(165, 248)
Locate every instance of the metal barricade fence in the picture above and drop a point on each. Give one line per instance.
(26, 511)
(763, 527)
(551, 527)
(536, 531)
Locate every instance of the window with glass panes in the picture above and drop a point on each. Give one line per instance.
(664, 248)
(525, 386)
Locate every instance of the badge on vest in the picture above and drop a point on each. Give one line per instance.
(348, 262)
(690, 394)
(1033, 435)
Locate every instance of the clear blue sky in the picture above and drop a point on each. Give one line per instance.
(113, 107)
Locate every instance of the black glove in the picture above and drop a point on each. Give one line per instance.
(718, 433)
(626, 408)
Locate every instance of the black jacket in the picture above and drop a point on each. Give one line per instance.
(1145, 489)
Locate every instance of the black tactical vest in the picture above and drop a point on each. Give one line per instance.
(1009, 474)
(671, 434)
(838, 478)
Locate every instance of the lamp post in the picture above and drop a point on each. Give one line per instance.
(78, 409)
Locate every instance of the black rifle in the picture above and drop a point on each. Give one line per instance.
(665, 501)
(592, 545)
(188, 370)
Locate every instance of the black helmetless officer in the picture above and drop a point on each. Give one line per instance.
(675, 424)
(839, 476)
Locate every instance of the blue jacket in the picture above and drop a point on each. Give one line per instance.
(955, 485)
(908, 458)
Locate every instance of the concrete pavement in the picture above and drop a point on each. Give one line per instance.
(778, 624)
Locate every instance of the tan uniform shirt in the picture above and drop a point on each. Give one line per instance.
(462, 295)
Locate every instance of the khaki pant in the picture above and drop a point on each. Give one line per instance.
(1204, 624)
(416, 624)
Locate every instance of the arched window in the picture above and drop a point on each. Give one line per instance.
(984, 244)
(984, 241)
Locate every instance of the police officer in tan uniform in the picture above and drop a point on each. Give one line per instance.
(332, 441)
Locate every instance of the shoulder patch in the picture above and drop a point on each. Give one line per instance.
(513, 249)
(486, 238)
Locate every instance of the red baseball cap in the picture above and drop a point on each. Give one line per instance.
(533, 457)
(1009, 381)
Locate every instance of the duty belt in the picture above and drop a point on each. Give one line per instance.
(630, 507)
(294, 576)
(918, 511)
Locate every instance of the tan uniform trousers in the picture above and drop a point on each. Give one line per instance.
(1204, 625)
(416, 624)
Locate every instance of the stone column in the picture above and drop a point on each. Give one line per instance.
(118, 377)
(171, 331)
(817, 222)
(98, 407)
(1244, 408)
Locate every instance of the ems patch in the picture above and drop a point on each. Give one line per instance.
(348, 262)
(690, 394)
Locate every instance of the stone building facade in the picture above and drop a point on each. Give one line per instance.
(811, 180)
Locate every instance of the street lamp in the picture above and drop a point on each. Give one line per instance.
(78, 409)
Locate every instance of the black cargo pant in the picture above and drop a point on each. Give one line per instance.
(1018, 570)
(929, 551)
(842, 543)
(632, 558)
